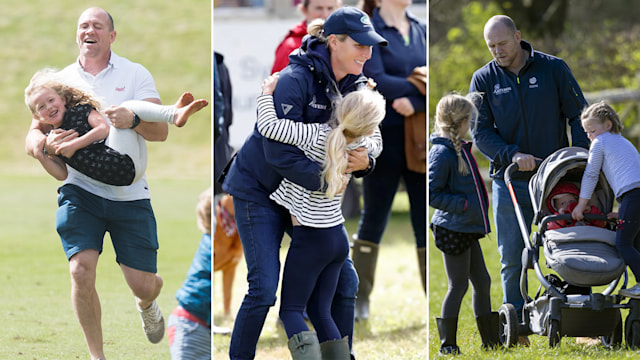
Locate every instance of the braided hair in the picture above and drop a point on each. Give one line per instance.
(601, 111)
(453, 110)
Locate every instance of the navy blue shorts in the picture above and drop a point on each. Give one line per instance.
(82, 219)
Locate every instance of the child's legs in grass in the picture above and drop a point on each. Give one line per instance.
(127, 141)
(480, 280)
(628, 232)
(310, 275)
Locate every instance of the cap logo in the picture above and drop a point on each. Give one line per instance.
(365, 20)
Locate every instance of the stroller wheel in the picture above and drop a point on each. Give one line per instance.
(508, 329)
(554, 332)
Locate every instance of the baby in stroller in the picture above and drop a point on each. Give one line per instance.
(562, 200)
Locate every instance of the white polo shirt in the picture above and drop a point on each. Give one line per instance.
(122, 80)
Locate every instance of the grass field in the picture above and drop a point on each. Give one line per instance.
(397, 328)
(468, 337)
(38, 320)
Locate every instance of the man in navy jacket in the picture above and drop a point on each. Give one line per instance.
(528, 98)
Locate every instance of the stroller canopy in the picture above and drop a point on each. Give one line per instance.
(566, 164)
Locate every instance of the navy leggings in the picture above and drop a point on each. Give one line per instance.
(628, 233)
(310, 277)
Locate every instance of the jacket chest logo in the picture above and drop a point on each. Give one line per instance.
(317, 106)
(533, 83)
(497, 90)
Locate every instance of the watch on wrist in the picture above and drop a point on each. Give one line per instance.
(136, 121)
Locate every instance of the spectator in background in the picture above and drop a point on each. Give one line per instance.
(311, 9)
(389, 67)
(189, 326)
(222, 151)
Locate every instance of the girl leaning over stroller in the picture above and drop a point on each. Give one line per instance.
(619, 160)
(458, 194)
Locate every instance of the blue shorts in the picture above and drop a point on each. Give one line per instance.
(82, 219)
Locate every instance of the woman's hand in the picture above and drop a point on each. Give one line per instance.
(357, 159)
(403, 106)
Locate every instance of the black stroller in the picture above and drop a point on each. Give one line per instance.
(582, 257)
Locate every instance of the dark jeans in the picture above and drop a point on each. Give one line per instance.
(628, 233)
(379, 189)
(261, 229)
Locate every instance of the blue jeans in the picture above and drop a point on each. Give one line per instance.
(261, 229)
(509, 238)
(380, 187)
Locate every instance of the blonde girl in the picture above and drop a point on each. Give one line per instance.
(460, 219)
(619, 161)
(319, 242)
(114, 160)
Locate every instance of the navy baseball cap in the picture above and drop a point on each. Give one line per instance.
(355, 23)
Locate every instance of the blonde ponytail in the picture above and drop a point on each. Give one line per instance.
(358, 114)
(335, 164)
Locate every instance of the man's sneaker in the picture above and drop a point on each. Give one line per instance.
(633, 292)
(152, 323)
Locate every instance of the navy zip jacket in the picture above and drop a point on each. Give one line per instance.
(390, 65)
(305, 91)
(461, 202)
(527, 112)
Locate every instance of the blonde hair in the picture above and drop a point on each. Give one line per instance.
(357, 114)
(47, 79)
(453, 110)
(316, 29)
(602, 112)
(203, 211)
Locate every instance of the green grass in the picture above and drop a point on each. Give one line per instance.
(397, 327)
(38, 320)
(468, 337)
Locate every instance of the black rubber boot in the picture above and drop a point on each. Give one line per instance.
(447, 329)
(488, 326)
(336, 349)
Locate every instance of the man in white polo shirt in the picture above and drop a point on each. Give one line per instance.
(88, 208)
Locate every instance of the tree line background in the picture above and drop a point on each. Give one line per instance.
(599, 40)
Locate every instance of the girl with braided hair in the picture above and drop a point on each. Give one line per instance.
(460, 219)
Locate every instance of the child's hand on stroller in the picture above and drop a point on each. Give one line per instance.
(578, 212)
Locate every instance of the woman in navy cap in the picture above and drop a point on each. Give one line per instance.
(328, 64)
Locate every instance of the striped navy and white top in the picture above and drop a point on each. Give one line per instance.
(311, 208)
(619, 160)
